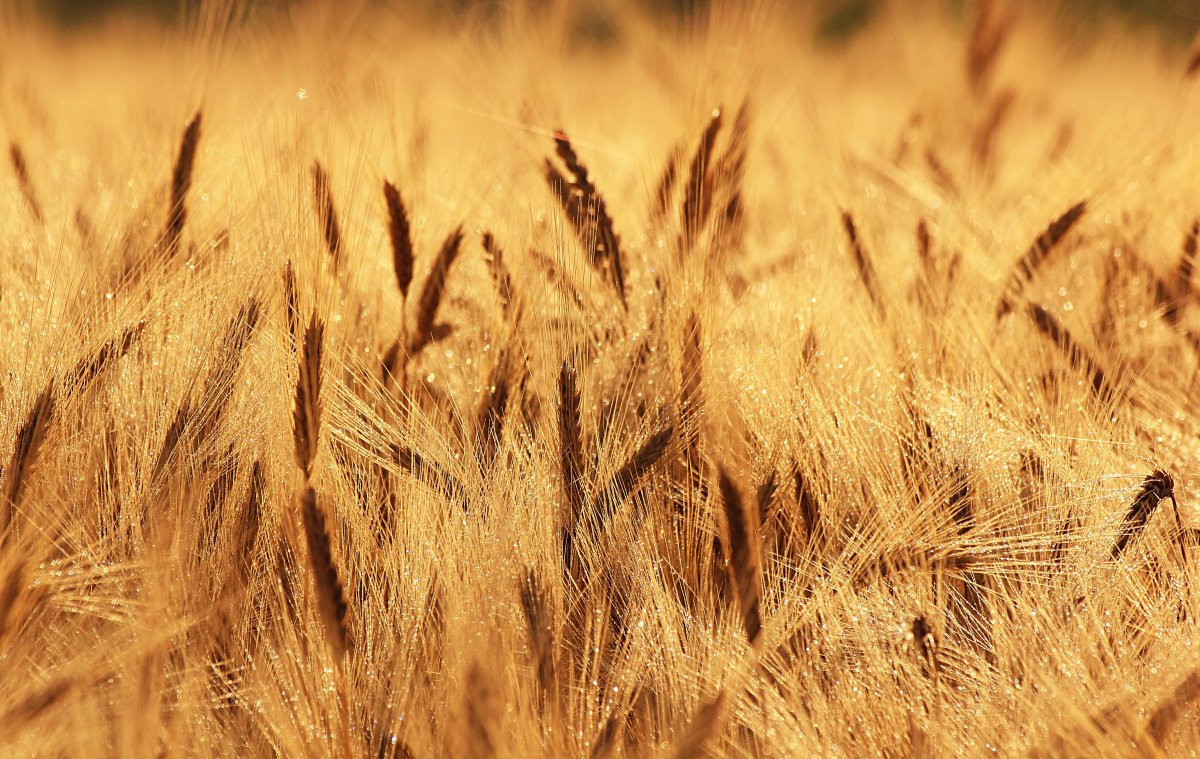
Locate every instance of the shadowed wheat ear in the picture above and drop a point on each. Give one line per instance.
(625, 481)
(89, 369)
(17, 158)
(432, 474)
(810, 509)
(1193, 61)
(492, 410)
(172, 438)
(327, 214)
(926, 645)
(1187, 260)
(209, 413)
(666, 184)
(1037, 254)
(731, 167)
(764, 497)
(25, 455)
(535, 607)
(570, 453)
(398, 231)
(291, 303)
(481, 715)
(331, 603)
(988, 35)
(219, 386)
(19, 600)
(706, 722)
(587, 213)
(37, 704)
(697, 199)
(181, 182)
(433, 290)
(1050, 327)
(744, 563)
(250, 521)
(499, 272)
(1156, 487)
(1169, 711)
(925, 248)
(985, 137)
(606, 740)
(862, 264)
(306, 427)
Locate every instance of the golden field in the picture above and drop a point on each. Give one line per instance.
(556, 379)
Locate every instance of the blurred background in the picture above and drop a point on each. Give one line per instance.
(1176, 19)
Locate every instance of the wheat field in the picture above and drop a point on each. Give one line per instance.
(560, 379)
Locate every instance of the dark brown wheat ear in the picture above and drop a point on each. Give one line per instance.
(606, 739)
(499, 272)
(706, 722)
(327, 214)
(862, 264)
(481, 716)
(222, 378)
(306, 427)
(1054, 331)
(26, 450)
(172, 439)
(433, 475)
(730, 169)
(666, 184)
(765, 496)
(539, 621)
(625, 480)
(1037, 254)
(744, 561)
(181, 182)
(926, 644)
(1193, 59)
(331, 603)
(985, 138)
(1187, 261)
(24, 182)
(398, 231)
(810, 509)
(570, 453)
(697, 199)
(1156, 487)
(88, 370)
(492, 411)
(988, 35)
(587, 213)
(249, 524)
(291, 301)
(1163, 718)
(11, 593)
(432, 292)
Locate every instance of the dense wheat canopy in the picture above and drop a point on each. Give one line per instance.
(554, 379)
